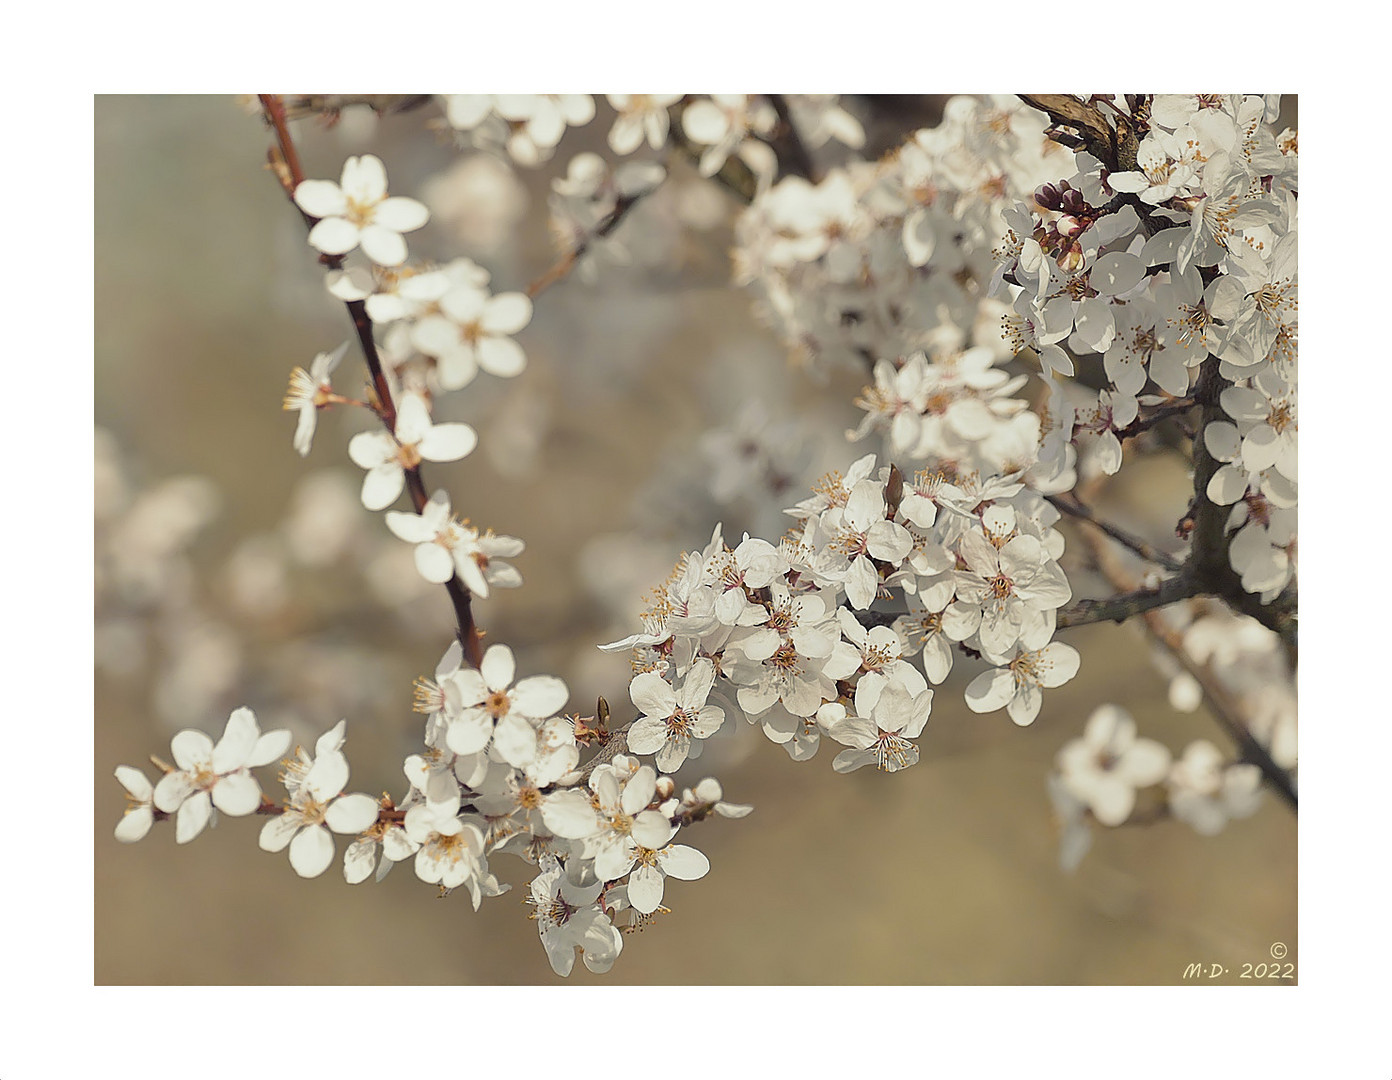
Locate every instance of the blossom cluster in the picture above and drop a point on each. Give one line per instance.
(1200, 263)
(497, 775)
(1100, 777)
(815, 635)
(977, 248)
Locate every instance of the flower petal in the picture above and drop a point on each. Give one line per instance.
(193, 816)
(311, 851)
(321, 198)
(684, 863)
(382, 245)
(237, 795)
(400, 214)
(334, 236)
(448, 442)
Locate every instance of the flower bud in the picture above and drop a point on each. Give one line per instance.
(1048, 196)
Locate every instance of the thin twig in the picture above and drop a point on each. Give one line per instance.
(1076, 509)
(1223, 706)
(1160, 414)
(607, 225)
(734, 175)
(285, 162)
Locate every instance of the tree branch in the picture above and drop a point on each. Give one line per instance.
(1158, 415)
(794, 159)
(1121, 607)
(1207, 523)
(607, 225)
(1223, 706)
(285, 162)
(735, 176)
(1074, 507)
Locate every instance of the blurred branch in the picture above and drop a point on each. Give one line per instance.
(735, 176)
(329, 106)
(1074, 507)
(607, 225)
(794, 159)
(1222, 704)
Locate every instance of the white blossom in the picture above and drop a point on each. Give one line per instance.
(210, 776)
(386, 457)
(1104, 768)
(316, 806)
(356, 210)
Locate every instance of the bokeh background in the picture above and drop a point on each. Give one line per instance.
(231, 572)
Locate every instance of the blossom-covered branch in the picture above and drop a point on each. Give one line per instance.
(292, 177)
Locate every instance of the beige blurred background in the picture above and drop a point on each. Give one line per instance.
(948, 873)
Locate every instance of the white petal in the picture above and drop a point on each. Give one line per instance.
(1112, 800)
(312, 851)
(369, 449)
(134, 781)
(540, 696)
(334, 236)
(238, 740)
(684, 863)
(507, 313)
(237, 795)
(501, 356)
(448, 442)
(382, 486)
(193, 816)
(172, 790)
(364, 179)
(134, 824)
(1227, 486)
(327, 776)
(515, 740)
(435, 563)
(1116, 272)
(279, 831)
(191, 749)
(382, 245)
(351, 813)
(991, 690)
(570, 815)
(645, 889)
(413, 528)
(469, 733)
(321, 198)
(498, 667)
(359, 861)
(400, 214)
(270, 747)
(647, 735)
(652, 695)
(652, 829)
(639, 790)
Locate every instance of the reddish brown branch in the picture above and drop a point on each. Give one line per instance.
(285, 162)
